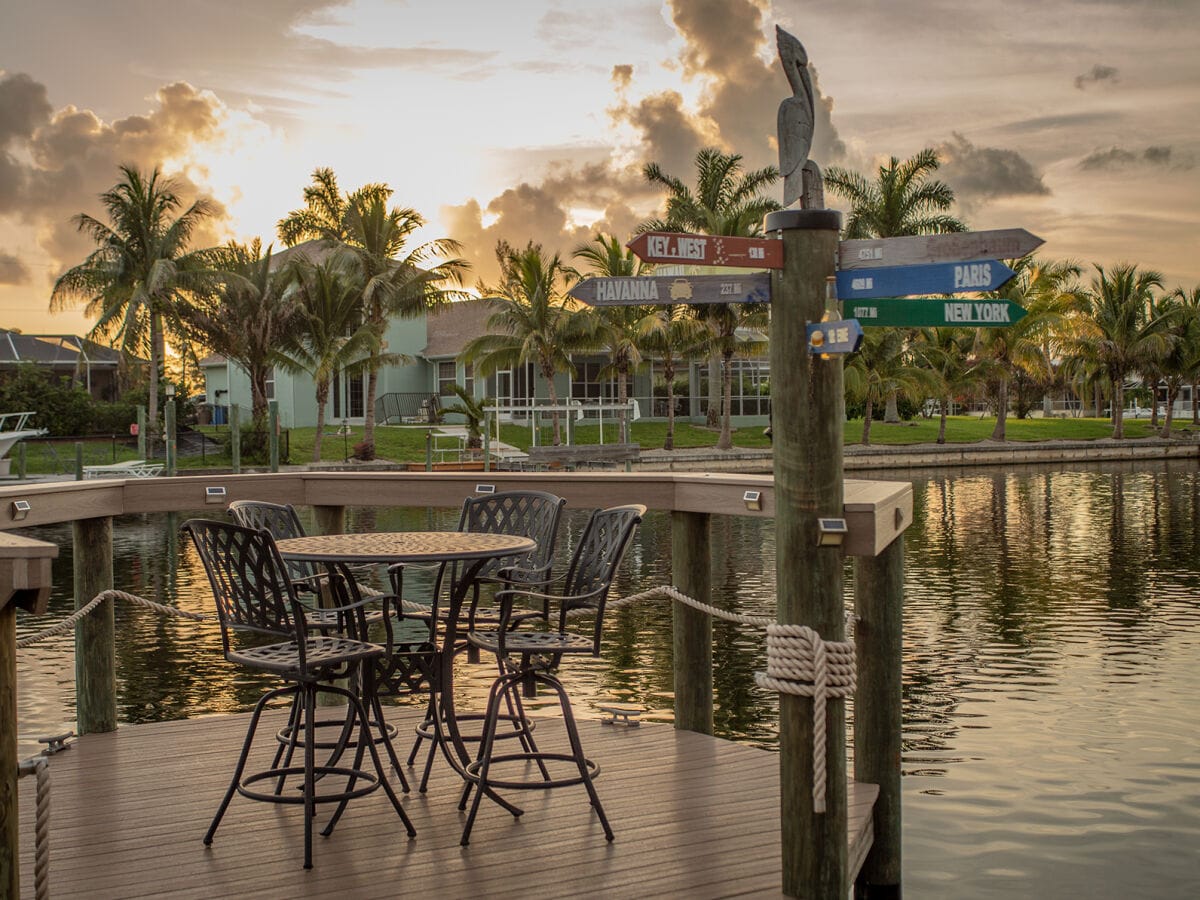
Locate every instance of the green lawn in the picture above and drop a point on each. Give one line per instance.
(408, 444)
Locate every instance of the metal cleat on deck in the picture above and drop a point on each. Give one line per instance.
(56, 743)
(621, 714)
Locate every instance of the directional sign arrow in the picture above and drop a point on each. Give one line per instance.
(840, 336)
(1006, 243)
(662, 290)
(931, 278)
(708, 250)
(936, 313)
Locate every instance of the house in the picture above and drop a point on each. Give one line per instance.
(434, 344)
(91, 366)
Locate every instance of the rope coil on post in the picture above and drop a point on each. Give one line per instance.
(800, 663)
(41, 829)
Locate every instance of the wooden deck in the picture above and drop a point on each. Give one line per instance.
(693, 816)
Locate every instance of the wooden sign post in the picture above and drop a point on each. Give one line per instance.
(806, 393)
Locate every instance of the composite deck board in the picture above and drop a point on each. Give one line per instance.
(691, 814)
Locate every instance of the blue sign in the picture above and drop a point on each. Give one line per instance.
(930, 278)
(840, 336)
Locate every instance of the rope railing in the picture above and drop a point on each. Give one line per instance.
(41, 829)
(799, 661)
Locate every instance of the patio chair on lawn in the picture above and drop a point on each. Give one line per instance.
(533, 657)
(533, 514)
(255, 596)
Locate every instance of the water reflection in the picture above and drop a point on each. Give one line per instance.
(1052, 629)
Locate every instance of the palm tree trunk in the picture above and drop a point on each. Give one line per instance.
(725, 441)
(999, 433)
(548, 374)
(669, 374)
(866, 435)
(368, 441)
(1172, 393)
(157, 348)
(1118, 407)
(945, 404)
(322, 397)
(623, 398)
(891, 412)
(1195, 403)
(712, 414)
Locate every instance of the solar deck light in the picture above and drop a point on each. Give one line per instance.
(753, 500)
(830, 532)
(20, 509)
(214, 495)
(485, 489)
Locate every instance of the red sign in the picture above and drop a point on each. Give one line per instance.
(708, 250)
(133, 429)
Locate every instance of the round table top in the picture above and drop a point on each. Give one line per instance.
(403, 546)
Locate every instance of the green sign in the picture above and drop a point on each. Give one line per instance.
(929, 313)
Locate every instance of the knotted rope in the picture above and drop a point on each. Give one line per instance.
(72, 620)
(41, 828)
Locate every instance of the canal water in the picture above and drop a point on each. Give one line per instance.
(1051, 668)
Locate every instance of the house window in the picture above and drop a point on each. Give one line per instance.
(750, 393)
(469, 379)
(587, 385)
(270, 384)
(447, 377)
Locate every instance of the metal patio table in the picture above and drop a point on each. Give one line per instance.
(471, 549)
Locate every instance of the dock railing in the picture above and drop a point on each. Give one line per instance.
(876, 514)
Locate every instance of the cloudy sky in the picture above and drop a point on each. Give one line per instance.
(530, 119)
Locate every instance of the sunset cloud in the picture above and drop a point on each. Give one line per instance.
(981, 173)
(1096, 75)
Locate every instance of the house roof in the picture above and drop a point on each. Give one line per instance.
(449, 327)
(54, 349)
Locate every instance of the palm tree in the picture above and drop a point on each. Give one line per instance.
(673, 334)
(531, 324)
(141, 268)
(901, 201)
(881, 368)
(1047, 292)
(394, 281)
(1190, 300)
(1118, 332)
(616, 328)
(323, 216)
(473, 411)
(1180, 365)
(944, 352)
(330, 335)
(245, 315)
(726, 202)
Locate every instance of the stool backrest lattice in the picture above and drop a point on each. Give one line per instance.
(595, 561)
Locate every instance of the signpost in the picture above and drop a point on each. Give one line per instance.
(663, 290)
(708, 250)
(929, 313)
(929, 278)
(839, 336)
(1006, 243)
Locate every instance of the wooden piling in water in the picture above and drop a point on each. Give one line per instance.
(330, 519)
(691, 571)
(95, 635)
(807, 428)
(879, 610)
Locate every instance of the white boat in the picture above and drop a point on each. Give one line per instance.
(13, 429)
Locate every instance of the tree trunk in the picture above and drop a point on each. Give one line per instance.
(945, 404)
(669, 374)
(322, 397)
(1195, 403)
(891, 412)
(156, 356)
(368, 441)
(999, 433)
(1099, 400)
(725, 441)
(712, 416)
(1118, 407)
(866, 435)
(548, 374)
(623, 398)
(1172, 393)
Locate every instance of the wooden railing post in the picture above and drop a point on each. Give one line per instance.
(691, 571)
(273, 435)
(879, 608)
(807, 399)
(141, 432)
(24, 582)
(330, 519)
(95, 635)
(235, 439)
